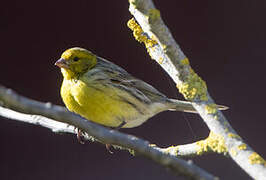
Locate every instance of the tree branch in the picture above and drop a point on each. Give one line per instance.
(54, 113)
(162, 47)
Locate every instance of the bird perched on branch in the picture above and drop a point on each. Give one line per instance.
(106, 94)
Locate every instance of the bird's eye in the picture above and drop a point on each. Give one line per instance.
(75, 59)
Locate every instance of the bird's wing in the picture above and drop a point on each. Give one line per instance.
(122, 79)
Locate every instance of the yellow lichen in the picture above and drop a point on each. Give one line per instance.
(242, 147)
(226, 129)
(152, 145)
(193, 87)
(214, 142)
(226, 123)
(139, 35)
(150, 43)
(154, 14)
(233, 152)
(172, 150)
(137, 31)
(164, 46)
(160, 60)
(134, 2)
(254, 158)
(184, 61)
(231, 135)
(211, 108)
(132, 152)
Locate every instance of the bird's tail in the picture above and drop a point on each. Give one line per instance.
(185, 106)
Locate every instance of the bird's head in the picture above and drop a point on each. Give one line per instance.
(75, 62)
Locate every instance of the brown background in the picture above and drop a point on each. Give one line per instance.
(226, 44)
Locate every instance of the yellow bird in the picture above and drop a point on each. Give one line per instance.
(106, 94)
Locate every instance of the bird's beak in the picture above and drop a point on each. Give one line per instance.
(62, 63)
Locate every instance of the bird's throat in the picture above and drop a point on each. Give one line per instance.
(68, 74)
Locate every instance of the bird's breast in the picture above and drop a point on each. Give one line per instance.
(99, 103)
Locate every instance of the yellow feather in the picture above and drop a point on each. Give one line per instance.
(98, 106)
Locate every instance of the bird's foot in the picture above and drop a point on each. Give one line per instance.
(80, 136)
(108, 147)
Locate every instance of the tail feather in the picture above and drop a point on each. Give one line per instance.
(185, 106)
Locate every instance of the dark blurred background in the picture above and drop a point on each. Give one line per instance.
(224, 40)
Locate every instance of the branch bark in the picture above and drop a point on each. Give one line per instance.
(58, 119)
(163, 48)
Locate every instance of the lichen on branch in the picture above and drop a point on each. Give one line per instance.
(140, 36)
(214, 142)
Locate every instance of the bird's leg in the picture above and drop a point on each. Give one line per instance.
(108, 146)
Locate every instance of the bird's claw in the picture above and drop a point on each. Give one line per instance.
(79, 136)
(108, 147)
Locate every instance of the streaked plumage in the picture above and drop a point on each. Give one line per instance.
(106, 94)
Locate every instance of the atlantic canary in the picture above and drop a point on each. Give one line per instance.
(106, 94)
